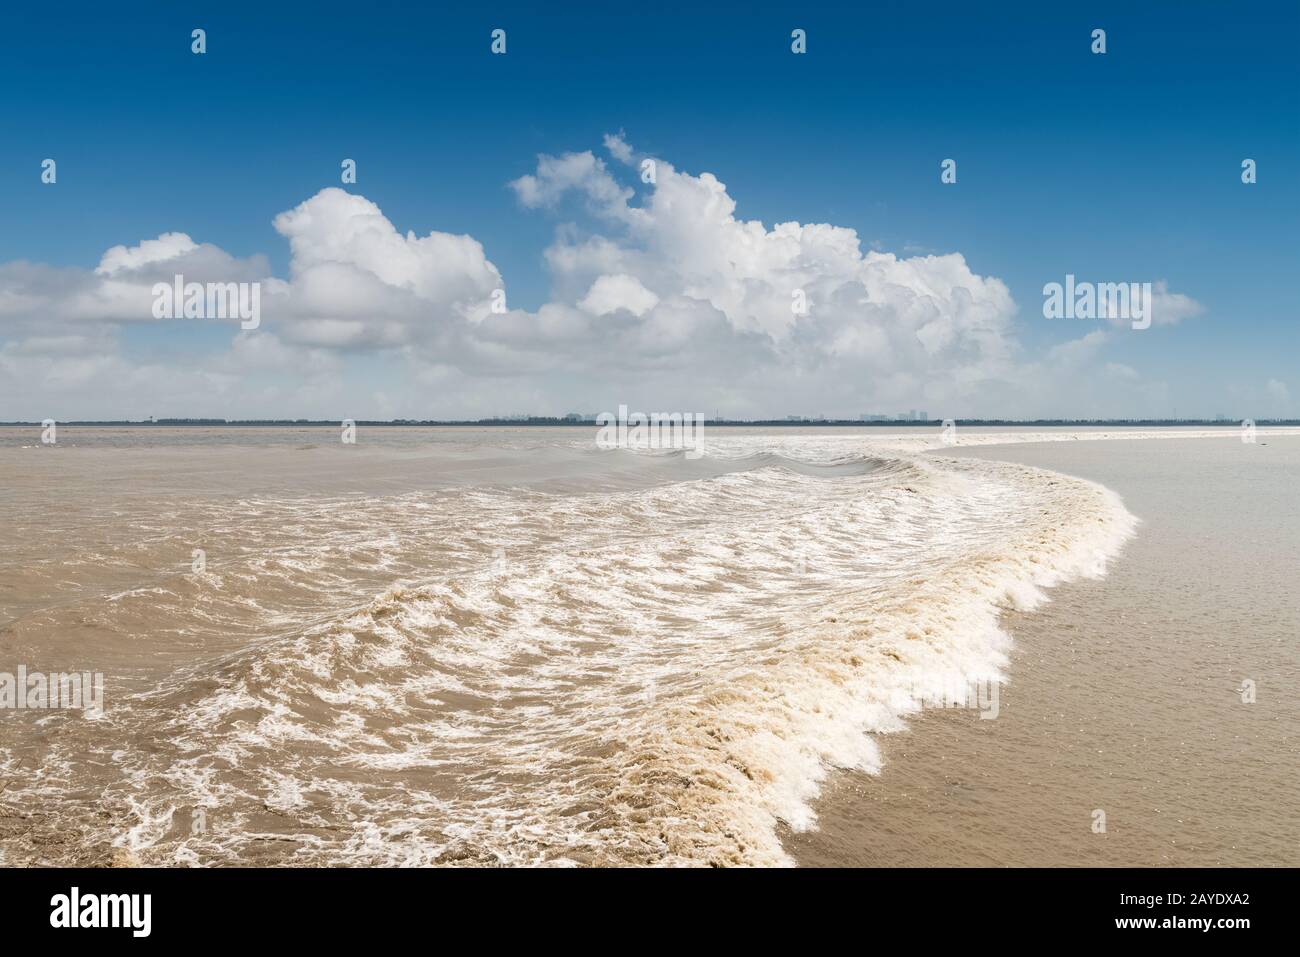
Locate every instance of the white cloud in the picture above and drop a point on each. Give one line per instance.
(166, 247)
(557, 175)
(617, 147)
(1169, 308)
(611, 293)
(663, 295)
(357, 281)
(1078, 351)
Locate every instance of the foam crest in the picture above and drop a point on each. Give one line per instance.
(654, 674)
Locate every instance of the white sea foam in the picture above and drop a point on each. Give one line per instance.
(654, 673)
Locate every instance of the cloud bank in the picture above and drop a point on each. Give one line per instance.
(661, 297)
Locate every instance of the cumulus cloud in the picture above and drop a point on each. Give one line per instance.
(661, 294)
(1168, 307)
(166, 247)
(1078, 351)
(36, 298)
(558, 175)
(803, 298)
(617, 147)
(335, 228)
(161, 259)
(356, 281)
(611, 293)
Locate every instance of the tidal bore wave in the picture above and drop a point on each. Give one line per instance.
(640, 659)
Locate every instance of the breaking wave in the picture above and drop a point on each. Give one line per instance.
(644, 659)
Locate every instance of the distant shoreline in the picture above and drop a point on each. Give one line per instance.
(542, 421)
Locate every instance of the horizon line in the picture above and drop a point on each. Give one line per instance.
(544, 421)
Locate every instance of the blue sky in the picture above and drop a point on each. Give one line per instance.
(1119, 167)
